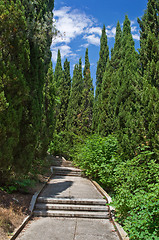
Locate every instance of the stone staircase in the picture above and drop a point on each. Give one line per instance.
(77, 208)
(69, 171)
(58, 161)
(69, 206)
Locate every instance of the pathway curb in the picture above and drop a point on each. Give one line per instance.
(120, 231)
(31, 208)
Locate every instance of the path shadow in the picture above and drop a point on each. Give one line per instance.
(55, 189)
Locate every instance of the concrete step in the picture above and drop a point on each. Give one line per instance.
(75, 201)
(70, 207)
(76, 214)
(69, 169)
(68, 174)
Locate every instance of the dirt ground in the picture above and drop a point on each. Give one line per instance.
(14, 207)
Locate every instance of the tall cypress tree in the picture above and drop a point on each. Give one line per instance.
(87, 97)
(48, 123)
(75, 101)
(14, 66)
(149, 52)
(127, 102)
(63, 85)
(58, 70)
(39, 34)
(109, 87)
(101, 66)
(67, 83)
(149, 33)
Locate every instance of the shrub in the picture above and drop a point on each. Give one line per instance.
(97, 156)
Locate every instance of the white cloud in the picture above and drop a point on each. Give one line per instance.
(96, 30)
(92, 39)
(85, 45)
(65, 51)
(136, 36)
(70, 23)
(134, 29)
(111, 32)
(109, 26)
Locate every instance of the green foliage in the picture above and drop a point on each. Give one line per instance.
(64, 144)
(109, 88)
(121, 103)
(63, 86)
(134, 183)
(149, 52)
(101, 67)
(137, 195)
(87, 98)
(26, 35)
(20, 185)
(74, 113)
(98, 157)
(13, 87)
(48, 123)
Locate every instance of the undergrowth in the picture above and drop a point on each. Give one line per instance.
(133, 182)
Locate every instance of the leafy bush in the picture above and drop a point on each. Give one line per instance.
(18, 185)
(97, 156)
(134, 182)
(63, 144)
(137, 196)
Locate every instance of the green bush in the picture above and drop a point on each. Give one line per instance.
(64, 143)
(137, 196)
(134, 183)
(97, 156)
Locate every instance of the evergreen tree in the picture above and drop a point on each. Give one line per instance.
(101, 66)
(48, 123)
(26, 35)
(87, 97)
(63, 85)
(109, 87)
(75, 101)
(67, 83)
(58, 70)
(14, 66)
(149, 52)
(39, 34)
(128, 102)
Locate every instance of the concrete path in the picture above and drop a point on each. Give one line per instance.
(60, 228)
(70, 187)
(69, 229)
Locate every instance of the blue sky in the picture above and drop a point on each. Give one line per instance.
(80, 23)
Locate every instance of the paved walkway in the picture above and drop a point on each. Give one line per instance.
(60, 228)
(70, 187)
(69, 229)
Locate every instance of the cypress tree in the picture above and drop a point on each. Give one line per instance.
(109, 87)
(75, 101)
(87, 97)
(39, 34)
(48, 123)
(128, 102)
(63, 85)
(149, 53)
(67, 83)
(101, 66)
(58, 70)
(14, 66)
